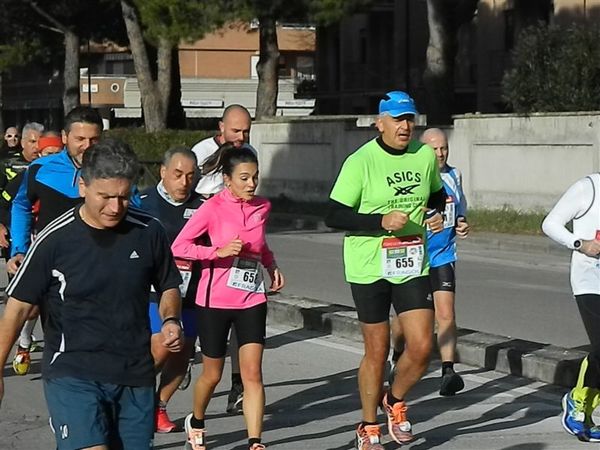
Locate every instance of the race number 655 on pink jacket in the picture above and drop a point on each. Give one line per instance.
(223, 218)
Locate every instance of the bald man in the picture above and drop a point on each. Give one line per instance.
(441, 248)
(11, 137)
(234, 127)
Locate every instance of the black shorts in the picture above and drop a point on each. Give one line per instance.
(373, 300)
(443, 278)
(214, 324)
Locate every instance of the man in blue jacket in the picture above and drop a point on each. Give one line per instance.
(52, 182)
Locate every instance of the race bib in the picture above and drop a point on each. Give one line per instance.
(246, 274)
(188, 212)
(401, 257)
(185, 269)
(450, 213)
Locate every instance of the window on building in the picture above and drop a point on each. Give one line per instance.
(120, 67)
(509, 29)
(362, 46)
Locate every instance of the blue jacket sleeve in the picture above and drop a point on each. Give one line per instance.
(135, 199)
(21, 218)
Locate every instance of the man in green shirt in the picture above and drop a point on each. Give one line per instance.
(386, 194)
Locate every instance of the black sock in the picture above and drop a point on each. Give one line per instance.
(253, 441)
(236, 378)
(391, 400)
(366, 424)
(447, 366)
(197, 423)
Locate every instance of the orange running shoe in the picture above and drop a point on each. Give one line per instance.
(399, 427)
(368, 437)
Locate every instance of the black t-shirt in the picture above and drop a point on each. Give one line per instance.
(93, 286)
(174, 217)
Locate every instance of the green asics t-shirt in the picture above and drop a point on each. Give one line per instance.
(373, 181)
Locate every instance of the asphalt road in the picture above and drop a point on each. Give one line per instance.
(312, 403)
(524, 295)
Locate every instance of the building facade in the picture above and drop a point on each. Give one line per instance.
(215, 71)
(384, 48)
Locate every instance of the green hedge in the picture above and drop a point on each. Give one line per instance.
(151, 146)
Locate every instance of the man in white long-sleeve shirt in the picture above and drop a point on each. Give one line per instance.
(234, 127)
(580, 204)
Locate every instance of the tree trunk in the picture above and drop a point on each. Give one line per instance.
(445, 17)
(267, 68)
(163, 60)
(71, 72)
(439, 71)
(154, 116)
(175, 115)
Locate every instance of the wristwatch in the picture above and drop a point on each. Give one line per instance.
(577, 244)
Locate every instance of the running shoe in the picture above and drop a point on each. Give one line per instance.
(22, 361)
(574, 417)
(451, 383)
(368, 437)
(257, 446)
(36, 345)
(195, 438)
(399, 427)
(593, 434)
(235, 398)
(187, 378)
(162, 421)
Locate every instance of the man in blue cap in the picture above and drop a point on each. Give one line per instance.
(386, 194)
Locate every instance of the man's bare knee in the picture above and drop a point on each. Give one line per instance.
(419, 350)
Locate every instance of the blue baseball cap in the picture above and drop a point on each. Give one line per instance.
(397, 103)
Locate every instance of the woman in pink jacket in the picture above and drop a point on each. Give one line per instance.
(231, 290)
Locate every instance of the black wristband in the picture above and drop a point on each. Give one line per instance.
(172, 319)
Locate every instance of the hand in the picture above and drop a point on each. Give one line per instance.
(13, 264)
(590, 248)
(173, 336)
(394, 221)
(4, 237)
(462, 228)
(435, 222)
(277, 279)
(232, 249)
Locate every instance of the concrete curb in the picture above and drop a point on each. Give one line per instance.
(531, 360)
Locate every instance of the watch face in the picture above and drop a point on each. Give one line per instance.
(577, 243)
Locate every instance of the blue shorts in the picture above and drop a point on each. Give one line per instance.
(87, 413)
(188, 317)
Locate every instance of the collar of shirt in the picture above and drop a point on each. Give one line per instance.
(165, 195)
